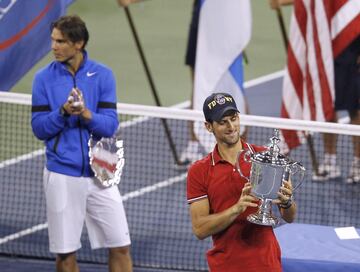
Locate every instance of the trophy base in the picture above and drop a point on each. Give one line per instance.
(263, 219)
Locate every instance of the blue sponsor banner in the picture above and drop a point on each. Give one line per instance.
(25, 35)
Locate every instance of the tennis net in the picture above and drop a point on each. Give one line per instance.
(153, 185)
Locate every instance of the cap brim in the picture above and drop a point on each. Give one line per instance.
(221, 114)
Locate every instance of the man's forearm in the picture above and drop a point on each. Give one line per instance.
(289, 214)
(211, 224)
(125, 3)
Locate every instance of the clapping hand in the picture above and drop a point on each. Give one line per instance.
(75, 103)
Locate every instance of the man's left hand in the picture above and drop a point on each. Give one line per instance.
(285, 193)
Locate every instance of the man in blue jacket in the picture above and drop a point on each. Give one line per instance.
(74, 97)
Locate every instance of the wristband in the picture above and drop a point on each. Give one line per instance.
(288, 204)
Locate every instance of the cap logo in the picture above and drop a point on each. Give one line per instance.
(220, 100)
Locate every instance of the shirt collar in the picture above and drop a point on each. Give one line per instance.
(215, 155)
(85, 58)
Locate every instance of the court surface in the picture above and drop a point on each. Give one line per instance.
(154, 197)
(162, 27)
(142, 199)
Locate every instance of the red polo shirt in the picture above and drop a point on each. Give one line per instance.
(243, 246)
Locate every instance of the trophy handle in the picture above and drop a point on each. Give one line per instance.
(292, 169)
(246, 159)
(286, 174)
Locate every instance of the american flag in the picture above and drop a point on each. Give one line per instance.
(319, 31)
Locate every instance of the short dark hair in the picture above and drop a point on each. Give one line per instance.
(72, 27)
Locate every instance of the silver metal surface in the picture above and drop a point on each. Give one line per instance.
(107, 159)
(269, 169)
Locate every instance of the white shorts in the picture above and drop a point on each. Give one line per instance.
(72, 200)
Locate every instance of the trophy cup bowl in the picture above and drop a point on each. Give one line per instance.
(269, 169)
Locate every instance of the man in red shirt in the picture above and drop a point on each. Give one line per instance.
(220, 198)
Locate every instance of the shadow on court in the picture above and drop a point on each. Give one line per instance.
(12, 264)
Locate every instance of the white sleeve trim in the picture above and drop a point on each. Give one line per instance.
(191, 200)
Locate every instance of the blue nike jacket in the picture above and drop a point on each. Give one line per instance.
(66, 138)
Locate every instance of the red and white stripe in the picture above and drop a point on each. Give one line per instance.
(319, 31)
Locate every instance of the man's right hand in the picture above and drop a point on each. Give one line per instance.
(246, 199)
(75, 104)
(125, 3)
(275, 4)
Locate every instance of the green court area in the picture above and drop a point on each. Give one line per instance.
(163, 26)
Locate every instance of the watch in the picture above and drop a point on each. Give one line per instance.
(287, 204)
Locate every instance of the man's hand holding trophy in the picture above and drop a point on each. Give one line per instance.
(272, 176)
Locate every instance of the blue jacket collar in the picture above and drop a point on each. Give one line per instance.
(85, 59)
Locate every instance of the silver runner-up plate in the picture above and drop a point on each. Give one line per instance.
(107, 159)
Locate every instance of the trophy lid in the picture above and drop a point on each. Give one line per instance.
(272, 155)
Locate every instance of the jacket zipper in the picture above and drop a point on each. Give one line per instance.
(81, 138)
(57, 140)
